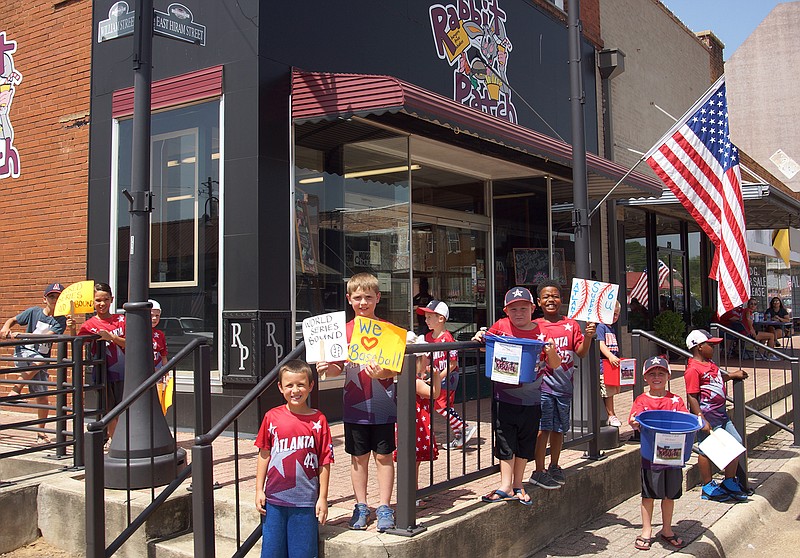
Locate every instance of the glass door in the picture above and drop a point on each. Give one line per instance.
(450, 265)
(671, 281)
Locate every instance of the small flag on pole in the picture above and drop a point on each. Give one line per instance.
(700, 165)
(780, 241)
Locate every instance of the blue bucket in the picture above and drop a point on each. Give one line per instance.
(531, 348)
(669, 422)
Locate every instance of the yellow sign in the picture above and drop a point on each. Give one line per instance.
(460, 41)
(80, 294)
(378, 342)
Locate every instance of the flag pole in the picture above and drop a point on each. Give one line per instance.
(620, 181)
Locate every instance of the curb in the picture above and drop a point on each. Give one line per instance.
(733, 529)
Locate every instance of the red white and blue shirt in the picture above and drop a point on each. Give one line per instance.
(115, 355)
(298, 446)
(367, 400)
(567, 336)
(441, 359)
(527, 393)
(705, 378)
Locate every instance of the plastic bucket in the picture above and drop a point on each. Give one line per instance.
(531, 348)
(667, 422)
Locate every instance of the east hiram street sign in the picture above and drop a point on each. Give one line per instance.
(176, 23)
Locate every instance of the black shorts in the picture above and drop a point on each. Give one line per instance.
(114, 392)
(516, 429)
(360, 439)
(660, 484)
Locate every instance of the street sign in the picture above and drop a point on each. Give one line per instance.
(176, 23)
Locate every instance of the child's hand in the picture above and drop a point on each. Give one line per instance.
(634, 423)
(322, 510)
(706, 426)
(591, 329)
(614, 360)
(261, 500)
(479, 335)
(374, 370)
(738, 375)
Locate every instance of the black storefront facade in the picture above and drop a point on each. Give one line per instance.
(301, 145)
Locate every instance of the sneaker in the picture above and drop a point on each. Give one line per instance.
(759, 356)
(360, 517)
(457, 442)
(614, 421)
(732, 487)
(385, 518)
(773, 357)
(469, 433)
(544, 480)
(557, 474)
(712, 491)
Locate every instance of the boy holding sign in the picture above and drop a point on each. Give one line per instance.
(705, 391)
(518, 407)
(557, 382)
(659, 482)
(369, 409)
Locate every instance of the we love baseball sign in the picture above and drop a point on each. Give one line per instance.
(378, 342)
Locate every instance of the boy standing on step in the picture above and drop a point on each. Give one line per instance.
(293, 468)
(659, 482)
(705, 391)
(369, 412)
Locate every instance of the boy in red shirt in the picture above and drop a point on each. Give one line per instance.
(705, 391)
(295, 453)
(436, 314)
(659, 482)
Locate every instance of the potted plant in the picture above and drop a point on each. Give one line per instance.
(702, 318)
(670, 327)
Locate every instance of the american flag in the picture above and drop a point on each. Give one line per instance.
(700, 165)
(640, 291)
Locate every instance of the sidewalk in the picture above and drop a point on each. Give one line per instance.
(709, 527)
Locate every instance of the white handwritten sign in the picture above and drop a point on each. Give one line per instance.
(592, 301)
(325, 337)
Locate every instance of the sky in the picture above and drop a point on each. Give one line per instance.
(732, 21)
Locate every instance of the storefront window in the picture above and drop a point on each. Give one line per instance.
(352, 215)
(184, 225)
(636, 274)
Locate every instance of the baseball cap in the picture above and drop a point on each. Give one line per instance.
(698, 336)
(518, 293)
(436, 306)
(656, 362)
(53, 288)
(156, 305)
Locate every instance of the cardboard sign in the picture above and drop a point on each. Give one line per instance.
(325, 337)
(668, 449)
(592, 301)
(627, 371)
(378, 342)
(721, 448)
(81, 297)
(506, 363)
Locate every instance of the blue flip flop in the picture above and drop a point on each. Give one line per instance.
(502, 497)
(527, 502)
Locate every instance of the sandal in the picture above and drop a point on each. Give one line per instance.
(673, 540)
(497, 496)
(42, 438)
(521, 495)
(642, 543)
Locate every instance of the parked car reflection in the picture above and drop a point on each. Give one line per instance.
(180, 331)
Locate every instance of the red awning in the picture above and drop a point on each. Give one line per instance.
(320, 96)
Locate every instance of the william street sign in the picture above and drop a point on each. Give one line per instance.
(176, 23)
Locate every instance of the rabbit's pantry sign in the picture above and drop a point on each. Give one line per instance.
(471, 36)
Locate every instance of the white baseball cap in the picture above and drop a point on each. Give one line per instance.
(698, 336)
(156, 305)
(436, 306)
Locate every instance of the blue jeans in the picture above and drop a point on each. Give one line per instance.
(283, 524)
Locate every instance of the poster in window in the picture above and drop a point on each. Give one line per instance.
(305, 242)
(532, 266)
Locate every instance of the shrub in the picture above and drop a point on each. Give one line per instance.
(670, 327)
(702, 318)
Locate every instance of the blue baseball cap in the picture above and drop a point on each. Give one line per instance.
(53, 288)
(518, 293)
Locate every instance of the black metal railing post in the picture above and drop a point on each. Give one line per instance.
(636, 349)
(796, 401)
(95, 508)
(61, 399)
(406, 450)
(77, 402)
(202, 390)
(739, 421)
(594, 400)
(203, 500)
